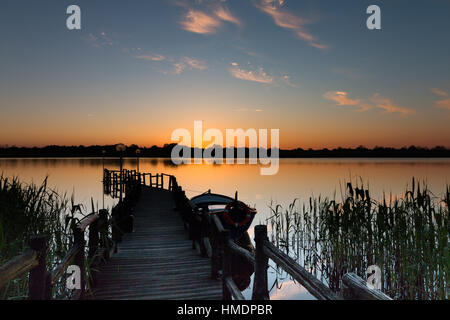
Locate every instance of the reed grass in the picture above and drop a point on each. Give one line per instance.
(407, 237)
(27, 210)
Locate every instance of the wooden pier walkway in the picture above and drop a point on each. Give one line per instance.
(157, 261)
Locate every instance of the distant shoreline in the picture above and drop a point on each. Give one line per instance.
(109, 151)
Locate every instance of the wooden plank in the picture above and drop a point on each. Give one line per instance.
(234, 290)
(311, 283)
(17, 266)
(66, 261)
(356, 288)
(157, 260)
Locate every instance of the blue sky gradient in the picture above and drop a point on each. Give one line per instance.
(137, 70)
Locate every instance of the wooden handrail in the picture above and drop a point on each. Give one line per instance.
(61, 267)
(356, 288)
(17, 266)
(88, 220)
(307, 280)
(242, 252)
(233, 289)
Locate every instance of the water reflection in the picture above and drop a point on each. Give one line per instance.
(297, 178)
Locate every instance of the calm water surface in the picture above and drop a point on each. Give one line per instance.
(297, 178)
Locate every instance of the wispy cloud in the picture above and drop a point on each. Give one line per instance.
(100, 40)
(151, 57)
(247, 110)
(341, 98)
(224, 14)
(178, 64)
(250, 53)
(188, 63)
(442, 104)
(199, 22)
(287, 20)
(202, 22)
(439, 92)
(195, 64)
(256, 76)
(287, 79)
(388, 106)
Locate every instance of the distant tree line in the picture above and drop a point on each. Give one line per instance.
(165, 152)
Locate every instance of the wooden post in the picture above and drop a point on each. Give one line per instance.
(226, 264)
(260, 290)
(93, 249)
(93, 238)
(215, 258)
(79, 241)
(39, 279)
(103, 232)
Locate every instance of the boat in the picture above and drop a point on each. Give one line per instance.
(235, 215)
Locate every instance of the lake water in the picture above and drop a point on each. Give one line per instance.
(297, 178)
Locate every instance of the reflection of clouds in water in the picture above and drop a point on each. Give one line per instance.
(291, 290)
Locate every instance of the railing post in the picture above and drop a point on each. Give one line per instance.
(260, 289)
(103, 230)
(39, 279)
(79, 241)
(215, 256)
(226, 264)
(93, 249)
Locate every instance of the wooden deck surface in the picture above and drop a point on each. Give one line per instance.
(157, 260)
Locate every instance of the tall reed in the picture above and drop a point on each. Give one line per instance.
(407, 237)
(27, 210)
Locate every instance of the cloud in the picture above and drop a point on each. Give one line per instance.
(151, 57)
(439, 92)
(443, 104)
(249, 75)
(287, 79)
(197, 21)
(388, 106)
(225, 15)
(200, 22)
(194, 63)
(377, 101)
(188, 63)
(341, 98)
(287, 20)
(246, 110)
(100, 40)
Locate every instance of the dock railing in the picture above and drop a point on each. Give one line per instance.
(211, 240)
(33, 260)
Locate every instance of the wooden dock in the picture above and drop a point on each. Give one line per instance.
(157, 261)
(143, 249)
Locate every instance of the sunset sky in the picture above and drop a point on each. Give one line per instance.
(137, 70)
